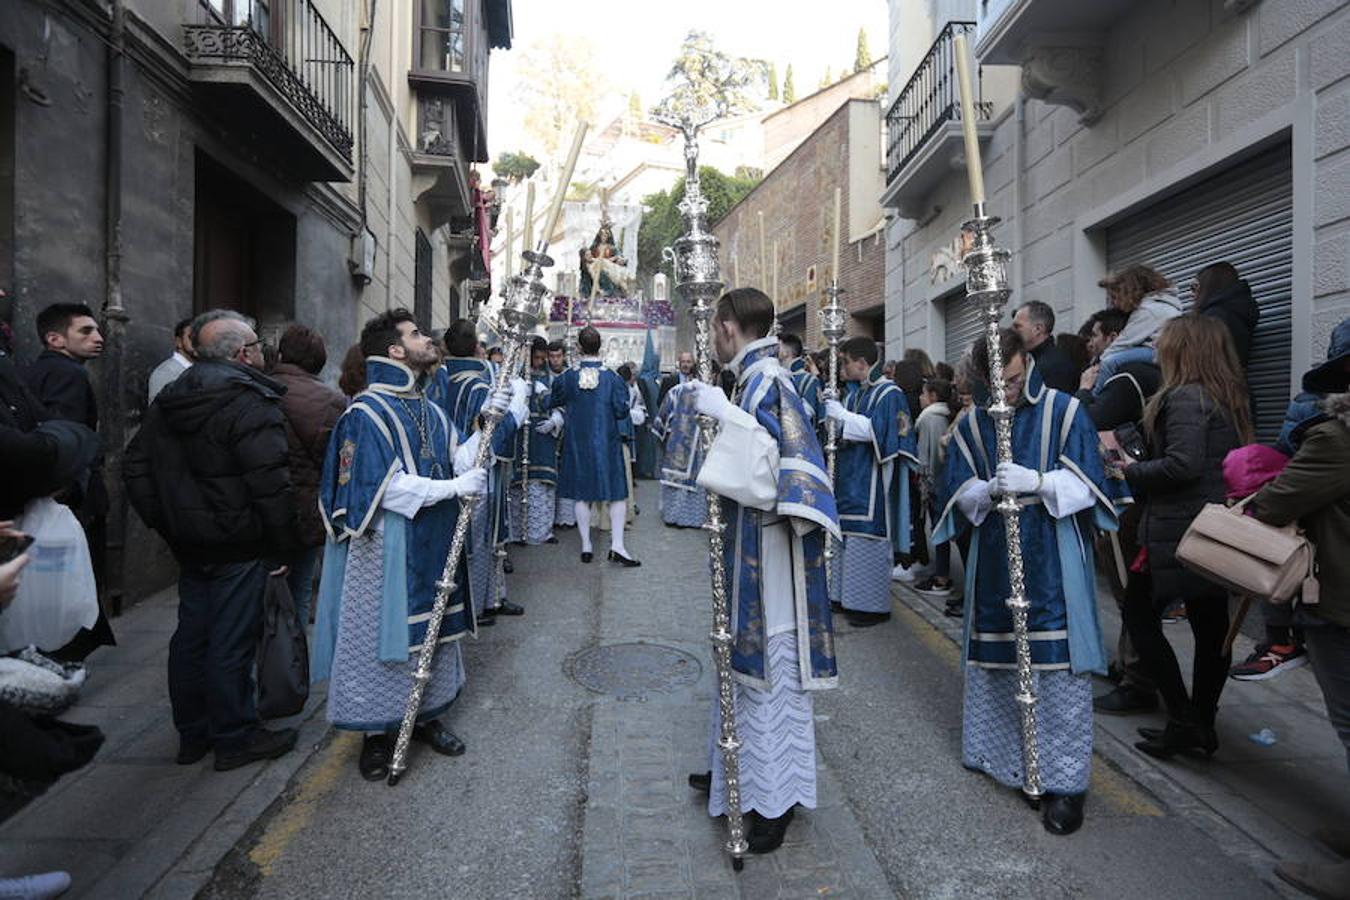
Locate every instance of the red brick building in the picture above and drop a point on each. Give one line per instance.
(797, 202)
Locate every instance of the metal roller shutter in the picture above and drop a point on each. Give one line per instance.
(963, 325)
(1243, 216)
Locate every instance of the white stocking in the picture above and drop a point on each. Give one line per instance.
(618, 510)
(583, 511)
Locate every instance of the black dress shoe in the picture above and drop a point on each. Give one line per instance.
(626, 562)
(376, 753)
(551, 540)
(766, 835)
(507, 608)
(486, 620)
(1150, 734)
(507, 567)
(587, 556)
(191, 751)
(836, 607)
(1062, 813)
(260, 744)
(1124, 701)
(438, 738)
(954, 610)
(701, 781)
(1181, 737)
(865, 619)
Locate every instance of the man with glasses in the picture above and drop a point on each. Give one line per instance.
(209, 471)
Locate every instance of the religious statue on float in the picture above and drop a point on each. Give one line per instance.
(602, 266)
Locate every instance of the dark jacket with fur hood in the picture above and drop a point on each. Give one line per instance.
(1314, 490)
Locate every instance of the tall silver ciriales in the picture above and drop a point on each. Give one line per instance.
(523, 304)
(833, 323)
(698, 279)
(987, 285)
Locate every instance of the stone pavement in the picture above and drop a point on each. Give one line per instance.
(132, 823)
(646, 834)
(1260, 804)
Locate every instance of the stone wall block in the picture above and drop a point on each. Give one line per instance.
(1331, 53)
(1215, 61)
(1144, 109)
(1259, 91)
(1331, 264)
(1332, 123)
(1280, 21)
(1052, 172)
(1185, 134)
(1331, 194)
(1096, 143)
(1176, 28)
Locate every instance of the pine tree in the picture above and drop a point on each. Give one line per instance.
(862, 58)
(789, 90)
(828, 78)
(773, 81)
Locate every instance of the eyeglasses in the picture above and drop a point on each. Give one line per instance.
(257, 343)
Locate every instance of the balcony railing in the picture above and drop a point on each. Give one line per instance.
(930, 99)
(295, 50)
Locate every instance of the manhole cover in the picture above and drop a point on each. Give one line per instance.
(632, 671)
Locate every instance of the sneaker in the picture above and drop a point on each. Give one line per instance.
(909, 573)
(1268, 661)
(932, 587)
(36, 887)
(1174, 613)
(259, 744)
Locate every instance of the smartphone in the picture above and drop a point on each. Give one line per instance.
(11, 546)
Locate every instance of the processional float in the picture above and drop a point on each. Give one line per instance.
(698, 279)
(524, 304)
(987, 285)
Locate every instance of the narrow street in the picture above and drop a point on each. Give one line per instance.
(569, 792)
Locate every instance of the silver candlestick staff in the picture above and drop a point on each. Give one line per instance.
(833, 322)
(698, 280)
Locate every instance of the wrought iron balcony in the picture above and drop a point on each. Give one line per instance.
(930, 99)
(292, 61)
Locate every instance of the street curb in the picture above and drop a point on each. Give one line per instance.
(1231, 838)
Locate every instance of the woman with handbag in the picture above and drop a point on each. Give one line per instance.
(1200, 413)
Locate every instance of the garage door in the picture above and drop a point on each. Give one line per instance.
(963, 324)
(1243, 216)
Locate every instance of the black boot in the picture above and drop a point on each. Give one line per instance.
(376, 753)
(766, 835)
(1062, 813)
(1124, 701)
(438, 737)
(701, 781)
(1181, 737)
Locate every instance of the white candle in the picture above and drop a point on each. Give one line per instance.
(529, 217)
(775, 276)
(974, 168)
(763, 257)
(735, 271)
(555, 211)
(838, 234)
(510, 239)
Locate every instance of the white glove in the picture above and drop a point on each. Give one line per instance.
(540, 388)
(835, 410)
(499, 401)
(520, 400)
(827, 395)
(711, 401)
(472, 482)
(553, 425)
(639, 415)
(1011, 478)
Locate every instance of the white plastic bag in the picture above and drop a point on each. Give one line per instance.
(57, 595)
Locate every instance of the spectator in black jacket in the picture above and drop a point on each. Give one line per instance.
(70, 339)
(208, 471)
(1219, 292)
(1034, 321)
(684, 371)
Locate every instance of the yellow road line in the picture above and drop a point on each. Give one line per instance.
(1107, 784)
(298, 813)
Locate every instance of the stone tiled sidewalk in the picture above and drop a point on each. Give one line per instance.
(646, 833)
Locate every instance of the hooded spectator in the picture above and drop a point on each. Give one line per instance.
(1219, 292)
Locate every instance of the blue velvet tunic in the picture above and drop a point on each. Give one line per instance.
(595, 402)
(543, 447)
(808, 388)
(462, 387)
(765, 391)
(676, 426)
(1050, 432)
(380, 435)
(873, 496)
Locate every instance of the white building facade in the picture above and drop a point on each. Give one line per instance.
(1175, 133)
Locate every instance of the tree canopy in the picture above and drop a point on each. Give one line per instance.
(561, 86)
(789, 90)
(704, 77)
(862, 57)
(661, 220)
(515, 167)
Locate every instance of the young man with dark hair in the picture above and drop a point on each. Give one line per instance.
(1064, 497)
(542, 432)
(877, 451)
(389, 498)
(807, 385)
(767, 465)
(181, 360)
(564, 508)
(461, 386)
(58, 378)
(1035, 322)
(594, 401)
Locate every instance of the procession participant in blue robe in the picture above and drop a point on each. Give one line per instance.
(542, 433)
(768, 468)
(461, 386)
(683, 503)
(628, 436)
(807, 385)
(648, 457)
(877, 450)
(564, 508)
(594, 401)
(1066, 496)
(388, 501)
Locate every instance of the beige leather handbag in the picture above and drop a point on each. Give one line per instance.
(1248, 556)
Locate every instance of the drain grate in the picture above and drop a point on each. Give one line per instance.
(633, 671)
